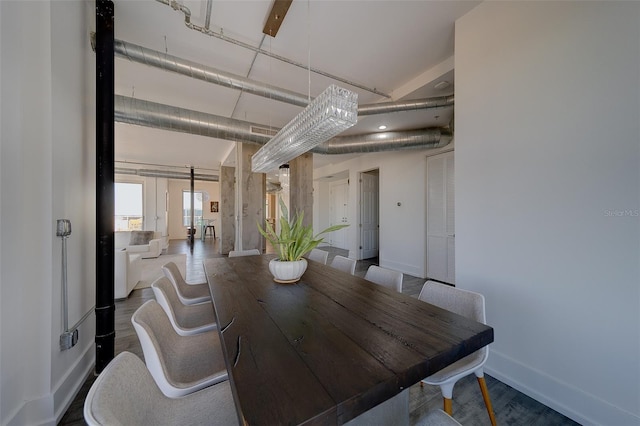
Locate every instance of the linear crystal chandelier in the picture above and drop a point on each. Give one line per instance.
(334, 111)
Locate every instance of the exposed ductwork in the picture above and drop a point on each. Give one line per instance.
(192, 69)
(159, 116)
(166, 117)
(414, 105)
(386, 141)
(205, 30)
(171, 63)
(165, 174)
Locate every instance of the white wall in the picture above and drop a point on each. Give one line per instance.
(47, 173)
(548, 198)
(322, 207)
(402, 228)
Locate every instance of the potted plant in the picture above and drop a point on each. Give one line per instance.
(293, 241)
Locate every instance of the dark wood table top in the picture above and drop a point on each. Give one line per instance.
(328, 348)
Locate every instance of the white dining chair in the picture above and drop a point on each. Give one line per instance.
(318, 255)
(469, 304)
(180, 365)
(189, 294)
(384, 277)
(185, 319)
(125, 394)
(240, 253)
(344, 264)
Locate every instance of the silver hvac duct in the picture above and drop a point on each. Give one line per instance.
(187, 21)
(192, 69)
(159, 116)
(164, 174)
(386, 141)
(171, 63)
(414, 105)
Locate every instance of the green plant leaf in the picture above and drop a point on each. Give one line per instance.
(295, 239)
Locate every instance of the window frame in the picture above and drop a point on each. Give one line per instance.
(129, 218)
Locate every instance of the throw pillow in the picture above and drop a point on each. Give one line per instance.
(139, 238)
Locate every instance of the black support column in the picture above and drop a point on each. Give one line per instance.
(105, 307)
(192, 233)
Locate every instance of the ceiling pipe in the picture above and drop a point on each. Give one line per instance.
(166, 62)
(192, 69)
(413, 105)
(166, 117)
(165, 174)
(387, 141)
(159, 116)
(187, 21)
(207, 20)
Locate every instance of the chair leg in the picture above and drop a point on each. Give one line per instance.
(487, 400)
(447, 406)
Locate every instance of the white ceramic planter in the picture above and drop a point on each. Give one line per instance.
(287, 272)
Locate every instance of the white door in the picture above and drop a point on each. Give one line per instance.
(369, 216)
(440, 218)
(339, 214)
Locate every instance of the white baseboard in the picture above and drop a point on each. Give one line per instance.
(49, 409)
(36, 412)
(69, 386)
(562, 397)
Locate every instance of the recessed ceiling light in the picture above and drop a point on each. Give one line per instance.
(382, 127)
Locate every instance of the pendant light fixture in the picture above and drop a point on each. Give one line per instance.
(331, 113)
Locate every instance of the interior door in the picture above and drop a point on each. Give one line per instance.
(369, 215)
(440, 218)
(339, 213)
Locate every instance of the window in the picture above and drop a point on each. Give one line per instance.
(128, 206)
(186, 207)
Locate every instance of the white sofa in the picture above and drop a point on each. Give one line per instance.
(145, 243)
(127, 271)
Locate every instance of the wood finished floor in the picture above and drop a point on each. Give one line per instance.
(510, 406)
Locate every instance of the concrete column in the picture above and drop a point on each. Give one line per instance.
(301, 187)
(252, 199)
(227, 227)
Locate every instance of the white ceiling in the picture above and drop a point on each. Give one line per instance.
(400, 48)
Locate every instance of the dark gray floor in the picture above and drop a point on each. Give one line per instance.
(510, 406)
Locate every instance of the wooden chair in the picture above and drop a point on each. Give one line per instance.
(125, 394)
(471, 305)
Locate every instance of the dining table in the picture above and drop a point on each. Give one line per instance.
(332, 348)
